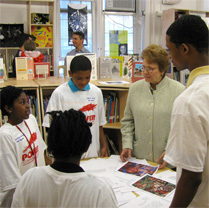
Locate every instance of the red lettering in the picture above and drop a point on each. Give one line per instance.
(24, 156)
(90, 118)
(30, 154)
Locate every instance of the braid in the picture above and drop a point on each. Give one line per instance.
(7, 97)
(69, 134)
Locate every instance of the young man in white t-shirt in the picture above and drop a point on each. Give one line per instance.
(188, 143)
(79, 94)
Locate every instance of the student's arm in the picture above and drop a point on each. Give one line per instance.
(162, 162)
(186, 188)
(103, 142)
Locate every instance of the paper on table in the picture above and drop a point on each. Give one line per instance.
(167, 175)
(124, 197)
(145, 201)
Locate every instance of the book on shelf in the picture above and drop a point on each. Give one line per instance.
(137, 72)
(32, 100)
(117, 66)
(24, 68)
(113, 150)
(42, 69)
(2, 70)
(127, 66)
(111, 104)
(184, 75)
(105, 65)
(45, 103)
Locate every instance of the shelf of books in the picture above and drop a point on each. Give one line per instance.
(42, 28)
(32, 91)
(37, 19)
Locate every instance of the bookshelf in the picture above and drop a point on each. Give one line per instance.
(21, 11)
(48, 85)
(168, 17)
(32, 89)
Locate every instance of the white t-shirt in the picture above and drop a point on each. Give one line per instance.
(90, 102)
(47, 187)
(16, 156)
(188, 142)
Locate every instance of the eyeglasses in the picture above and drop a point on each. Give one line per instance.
(149, 69)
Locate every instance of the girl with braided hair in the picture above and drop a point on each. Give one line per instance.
(21, 144)
(64, 183)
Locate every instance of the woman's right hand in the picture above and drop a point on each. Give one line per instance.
(125, 154)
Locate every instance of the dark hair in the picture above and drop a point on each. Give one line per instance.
(80, 63)
(69, 134)
(81, 34)
(190, 29)
(7, 97)
(156, 54)
(22, 38)
(30, 45)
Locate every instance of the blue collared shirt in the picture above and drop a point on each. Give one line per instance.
(74, 88)
(74, 52)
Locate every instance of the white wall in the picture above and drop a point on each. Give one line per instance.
(153, 11)
(17, 14)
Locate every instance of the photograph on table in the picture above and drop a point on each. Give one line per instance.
(154, 185)
(138, 169)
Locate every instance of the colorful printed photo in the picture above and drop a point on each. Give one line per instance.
(138, 169)
(154, 185)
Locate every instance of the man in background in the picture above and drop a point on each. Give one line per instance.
(78, 38)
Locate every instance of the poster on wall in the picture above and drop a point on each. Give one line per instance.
(9, 34)
(43, 35)
(77, 21)
(118, 42)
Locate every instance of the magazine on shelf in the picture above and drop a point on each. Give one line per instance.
(105, 64)
(137, 72)
(24, 68)
(117, 66)
(42, 70)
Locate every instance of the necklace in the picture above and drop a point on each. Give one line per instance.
(30, 142)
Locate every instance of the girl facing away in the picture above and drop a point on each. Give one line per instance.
(64, 183)
(30, 51)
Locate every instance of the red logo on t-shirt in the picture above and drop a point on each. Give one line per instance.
(32, 140)
(89, 107)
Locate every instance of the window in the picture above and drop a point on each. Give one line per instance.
(118, 22)
(64, 25)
